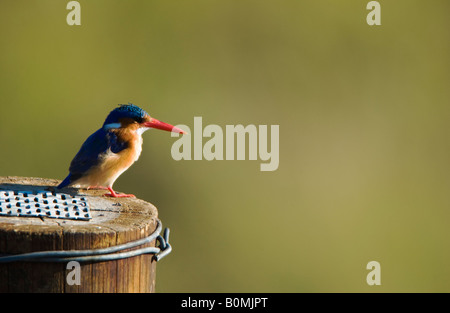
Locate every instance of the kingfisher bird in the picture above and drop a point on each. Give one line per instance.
(112, 149)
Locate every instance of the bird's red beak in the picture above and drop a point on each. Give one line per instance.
(154, 123)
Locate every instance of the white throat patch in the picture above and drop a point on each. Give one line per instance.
(141, 130)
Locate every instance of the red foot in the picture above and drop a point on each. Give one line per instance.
(115, 195)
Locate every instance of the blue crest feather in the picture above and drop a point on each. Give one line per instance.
(125, 111)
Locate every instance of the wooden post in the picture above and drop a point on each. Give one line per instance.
(114, 221)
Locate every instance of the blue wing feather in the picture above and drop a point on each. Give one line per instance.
(90, 153)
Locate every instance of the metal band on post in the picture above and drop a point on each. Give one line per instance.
(100, 255)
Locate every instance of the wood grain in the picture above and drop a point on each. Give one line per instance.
(114, 221)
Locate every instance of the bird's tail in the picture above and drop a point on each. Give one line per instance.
(65, 182)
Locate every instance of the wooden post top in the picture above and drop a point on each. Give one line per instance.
(113, 221)
(120, 219)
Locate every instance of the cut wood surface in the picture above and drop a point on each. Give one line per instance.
(114, 221)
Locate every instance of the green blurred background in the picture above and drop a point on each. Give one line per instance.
(363, 111)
